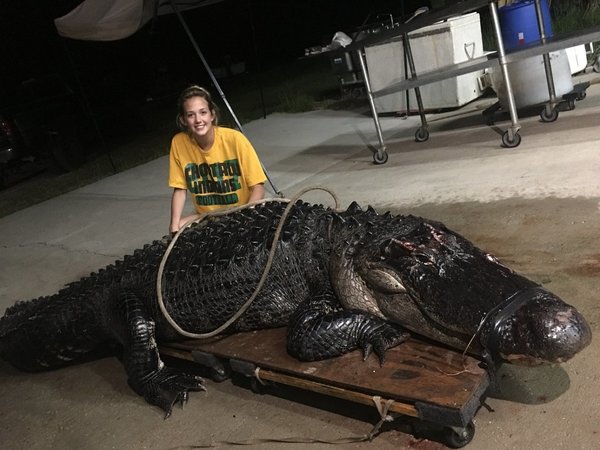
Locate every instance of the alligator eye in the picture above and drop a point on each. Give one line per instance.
(384, 280)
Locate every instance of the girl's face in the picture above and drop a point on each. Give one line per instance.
(198, 118)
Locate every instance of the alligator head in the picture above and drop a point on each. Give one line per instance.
(438, 284)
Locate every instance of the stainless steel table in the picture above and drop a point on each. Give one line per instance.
(544, 46)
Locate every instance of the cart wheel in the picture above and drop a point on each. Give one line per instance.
(549, 117)
(581, 95)
(457, 438)
(218, 375)
(380, 159)
(507, 142)
(421, 135)
(597, 65)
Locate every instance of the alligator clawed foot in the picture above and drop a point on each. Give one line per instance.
(166, 387)
(381, 339)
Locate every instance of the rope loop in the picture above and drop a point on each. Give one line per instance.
(266, 270)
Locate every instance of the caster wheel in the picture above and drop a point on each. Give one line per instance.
(596, 66)
(459, 438)
(421, 135)
(507, 142)
(218, 375)
(380, 158)
(581, 95)
(549, 117)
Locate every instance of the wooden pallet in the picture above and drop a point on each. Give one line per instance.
(425, 381)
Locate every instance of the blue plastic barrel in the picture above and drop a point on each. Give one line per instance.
(519, 25)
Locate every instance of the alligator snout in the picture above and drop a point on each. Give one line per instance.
(544, 330)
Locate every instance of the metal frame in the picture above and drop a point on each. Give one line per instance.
(511, 137)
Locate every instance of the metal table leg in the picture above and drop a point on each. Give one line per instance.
(422, 133)
(550, 112)
(511, 137)
(380, 156)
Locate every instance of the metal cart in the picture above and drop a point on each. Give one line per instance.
(511, 137)
(547, 113)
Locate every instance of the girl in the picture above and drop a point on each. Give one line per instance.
(217, 165)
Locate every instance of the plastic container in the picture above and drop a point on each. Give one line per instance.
(519, 25)
(528, 80)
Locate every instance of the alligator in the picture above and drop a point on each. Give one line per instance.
(339, 280)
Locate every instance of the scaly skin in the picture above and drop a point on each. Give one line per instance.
(339, 281)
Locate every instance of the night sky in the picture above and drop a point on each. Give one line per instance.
(282, 29)
(259, 32)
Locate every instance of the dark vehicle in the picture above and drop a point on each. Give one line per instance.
(42, 121)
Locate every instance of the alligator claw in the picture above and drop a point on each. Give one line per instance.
(367, 349)
(381, 339)
(166, 387)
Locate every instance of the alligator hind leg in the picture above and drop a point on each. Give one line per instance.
(320, 329)
(147, 375)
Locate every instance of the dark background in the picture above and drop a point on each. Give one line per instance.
(112, 81)
(259, 32)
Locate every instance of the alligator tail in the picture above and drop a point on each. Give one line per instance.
(49, 332)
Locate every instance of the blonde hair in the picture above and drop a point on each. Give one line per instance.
(195, 91)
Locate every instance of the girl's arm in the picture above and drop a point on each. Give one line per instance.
(177, 205)
(257, 192)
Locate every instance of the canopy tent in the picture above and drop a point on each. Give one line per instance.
(110, 20)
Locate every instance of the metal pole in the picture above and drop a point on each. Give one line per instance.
(215, 83)
(381, 150)
(515, 127)
(413, 76)
(407, 92)
(413, 73)
(546, 57)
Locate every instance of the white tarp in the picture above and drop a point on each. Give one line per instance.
(110, 20)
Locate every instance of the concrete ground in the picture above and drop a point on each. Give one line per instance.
(537, 207)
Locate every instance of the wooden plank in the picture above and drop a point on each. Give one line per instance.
(415, 371)
(333, 391)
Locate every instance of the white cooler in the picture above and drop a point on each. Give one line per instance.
(434, 47)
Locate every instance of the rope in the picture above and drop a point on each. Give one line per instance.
(257, 376)
(266, 270)
(502, 309)
(383, 413)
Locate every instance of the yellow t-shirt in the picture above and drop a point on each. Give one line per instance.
(219, 177)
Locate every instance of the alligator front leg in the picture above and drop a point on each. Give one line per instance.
(147, 375)
(319, 329)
